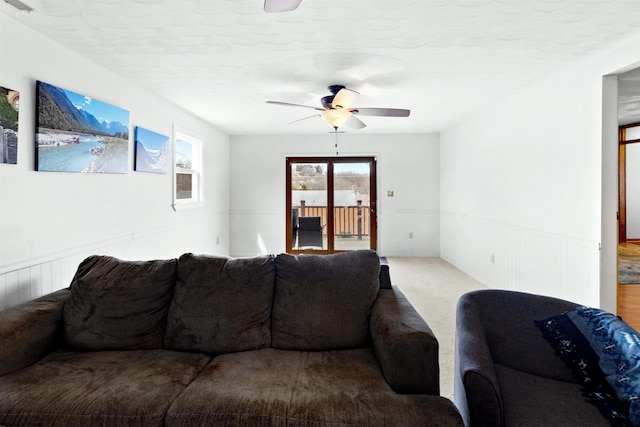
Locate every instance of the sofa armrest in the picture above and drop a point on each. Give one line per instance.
(28, 331)
(405, 346)
(476, 388)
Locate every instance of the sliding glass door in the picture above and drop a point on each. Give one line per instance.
(331, 204)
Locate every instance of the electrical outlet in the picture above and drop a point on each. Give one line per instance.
(390, 193)
(411, 234)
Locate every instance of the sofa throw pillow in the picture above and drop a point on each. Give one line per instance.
(323, 302)
(221, 304)
(604, 354)
(118, 305)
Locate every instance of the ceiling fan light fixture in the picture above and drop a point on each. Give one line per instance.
(336, 118)
(276, 6)
(338, 110)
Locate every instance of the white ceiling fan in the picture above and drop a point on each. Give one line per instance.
(276, 6)
(338, 110)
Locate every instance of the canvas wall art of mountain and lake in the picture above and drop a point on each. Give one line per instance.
(76, 133)
(9, 107)
(152, 151)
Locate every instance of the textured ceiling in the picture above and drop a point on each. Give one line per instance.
(222, 59)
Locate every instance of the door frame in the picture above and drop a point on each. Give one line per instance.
(622, 180)
(330, 161)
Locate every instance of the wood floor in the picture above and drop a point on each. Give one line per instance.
(629, 305)
(629, 283)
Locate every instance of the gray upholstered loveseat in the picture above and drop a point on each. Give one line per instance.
(200, 340)
(508, 373)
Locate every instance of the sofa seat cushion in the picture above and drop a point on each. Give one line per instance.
(70, 388)
(221, 304)
(119, 305)
(323, 302)
(534, 400)
(294, 388)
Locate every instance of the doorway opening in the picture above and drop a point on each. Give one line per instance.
(628, 251)
(629, 172)
(331, 204)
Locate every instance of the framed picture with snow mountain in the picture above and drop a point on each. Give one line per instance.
(9, 106)
(76, 133)
(152, 151)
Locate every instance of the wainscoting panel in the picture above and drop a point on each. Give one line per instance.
(29, 279)
(402, 233)
(257, 232)
(409, 232)
(503, 256)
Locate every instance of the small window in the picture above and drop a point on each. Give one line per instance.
(188, 169)
(184, 186)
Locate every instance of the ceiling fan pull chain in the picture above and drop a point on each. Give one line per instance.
(336, 144)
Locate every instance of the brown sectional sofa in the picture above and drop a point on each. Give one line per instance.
(280, 340)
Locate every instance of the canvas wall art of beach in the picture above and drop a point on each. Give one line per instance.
(76, 133)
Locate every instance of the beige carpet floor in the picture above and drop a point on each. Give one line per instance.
(433, 286)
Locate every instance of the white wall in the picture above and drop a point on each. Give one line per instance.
(520, 196)
(407, 164)
(50, 221)
(521, 187)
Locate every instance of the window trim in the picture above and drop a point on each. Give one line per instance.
(196, 170)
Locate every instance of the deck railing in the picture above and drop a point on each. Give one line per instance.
(349, 221)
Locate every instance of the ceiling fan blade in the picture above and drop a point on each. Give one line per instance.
(288, 104)
(305, 119)
(345, 98)
(381, 112)
(355, 123)
(276, 6)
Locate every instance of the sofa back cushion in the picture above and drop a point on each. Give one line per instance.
(118, 305)
(323, 302)
(221, 304)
